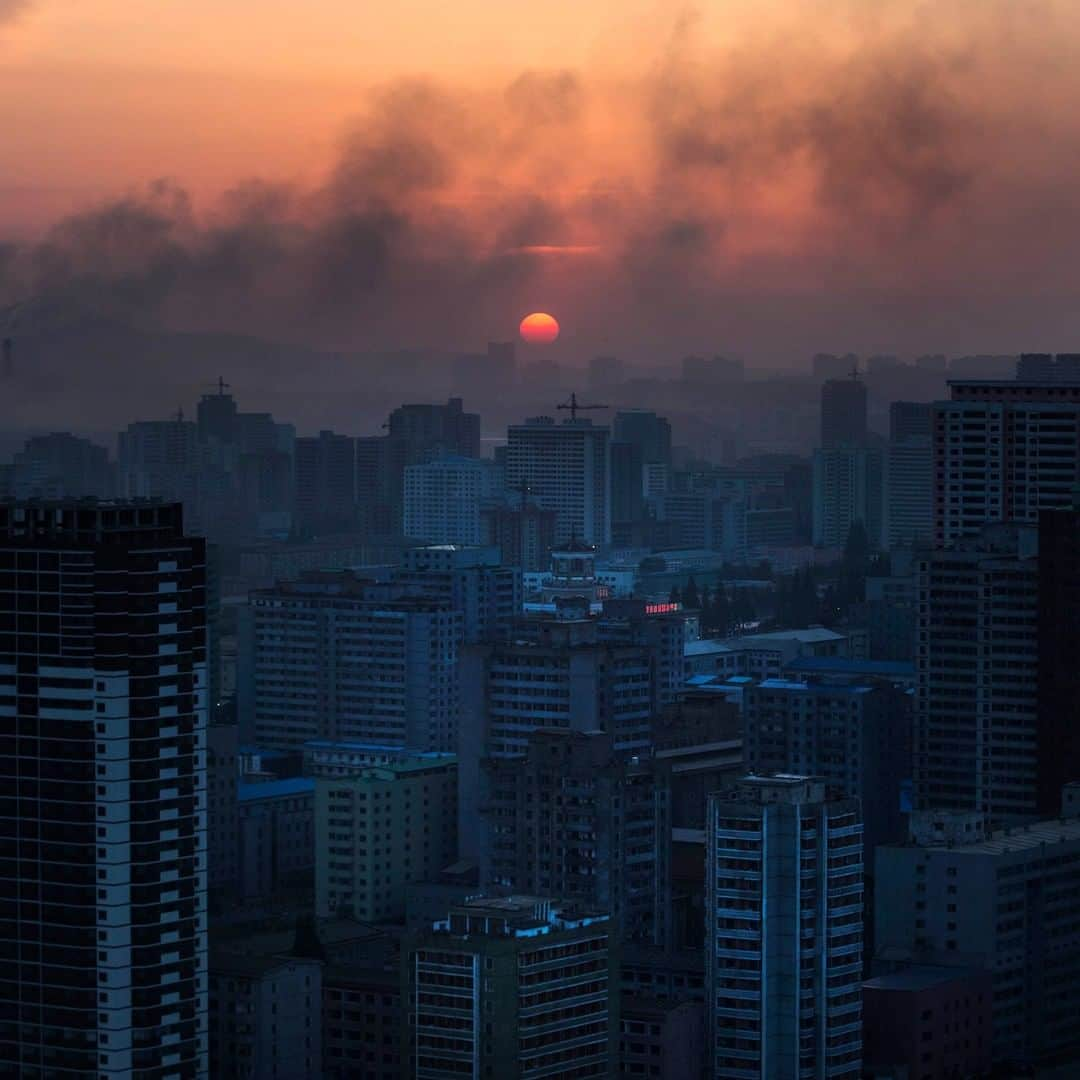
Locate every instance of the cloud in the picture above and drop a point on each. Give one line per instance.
(10, 9)
(877, 173)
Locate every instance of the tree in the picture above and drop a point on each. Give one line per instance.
(691, 598)
(674, 596)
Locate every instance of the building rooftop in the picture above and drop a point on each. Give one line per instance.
(843, 665)
(1017, 838)
(706, 647)
(275, 789)
(811, 687)
(811, 635)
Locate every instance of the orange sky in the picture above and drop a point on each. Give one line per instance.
(874, 153)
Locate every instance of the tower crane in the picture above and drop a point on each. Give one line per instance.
(575, 407)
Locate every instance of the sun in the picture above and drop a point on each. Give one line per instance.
(539, 328)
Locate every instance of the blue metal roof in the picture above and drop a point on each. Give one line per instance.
(275, 789)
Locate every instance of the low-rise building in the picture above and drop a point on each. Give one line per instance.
(275, 847)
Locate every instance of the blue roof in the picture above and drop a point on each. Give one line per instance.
(814, 687)
(275, 789)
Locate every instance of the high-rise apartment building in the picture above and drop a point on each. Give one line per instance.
(1058, 706)
(843, 412)
(1003, 451)
(567, 468)
(325, 482)
(334, 656)
(573, 818)
(61, 465)
(852, 733)
(1007, 902)
(783, 932)
(472, 580)
(443, 499)
(848, 487)
(910, 420)
(513, 988)
(524, 534)
(650, 433)
(378, 829)
(103, 682)
(976, 661)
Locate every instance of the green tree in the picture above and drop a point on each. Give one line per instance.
(691, 597)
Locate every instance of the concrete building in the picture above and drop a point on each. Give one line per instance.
(443, 499)
(573, 818)
(760, 656)
(567, 468)
(647, 431)
(334, 656)
(513, 988)
(976, 722)
(524, 534)
(472, 580)
(61, 466)
(848, 488)
(325, 483)
(843, 412)
(103, 711)
(265, 1016)
(380, 828)
(223, 810)
(1058, 694)
(853, 734)
(783, 932)
(276, 841)
(1003, 451)
(908, 511)
(910, 420)
(925, 1021)
(661, 1038)
(1005, 902)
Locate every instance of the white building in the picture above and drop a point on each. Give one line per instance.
(783, 932)
(443, 498)
(567, 468)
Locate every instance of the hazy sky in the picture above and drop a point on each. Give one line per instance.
(768, 176)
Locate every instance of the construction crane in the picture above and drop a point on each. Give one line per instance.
(575, 408)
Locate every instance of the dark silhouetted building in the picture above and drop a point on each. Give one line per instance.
(325, 483)
(843, 413)
(103, 683)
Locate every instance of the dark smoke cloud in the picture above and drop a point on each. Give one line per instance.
(912, 189)
(9, 9)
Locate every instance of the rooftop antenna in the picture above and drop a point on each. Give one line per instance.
(575, 408)
(178, 416)
(221, 385)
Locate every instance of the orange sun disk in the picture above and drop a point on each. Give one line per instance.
(539, 328)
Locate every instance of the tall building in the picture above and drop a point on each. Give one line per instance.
(976, 711)
(1058, 704)
(1006, 902)
(650, 433)
(325, 482)
(843, 412)
(524, 534)
(908, 500)
(783, 932)
(334, 656)
(443, 499)
(852, 733)
(571, 816)
(103, 681)
(1045, 367)
(567, 468)
(61, 465)
(1003, 451)
(513, 988)
(848, 488)
(472, 580)
(605, 371)
(910, 420)
(379, 828)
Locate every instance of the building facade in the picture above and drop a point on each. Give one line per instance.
(379, 828)
(783, 932)
(567, 468)
(333, 656)
(512, 988)
(103, 683)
